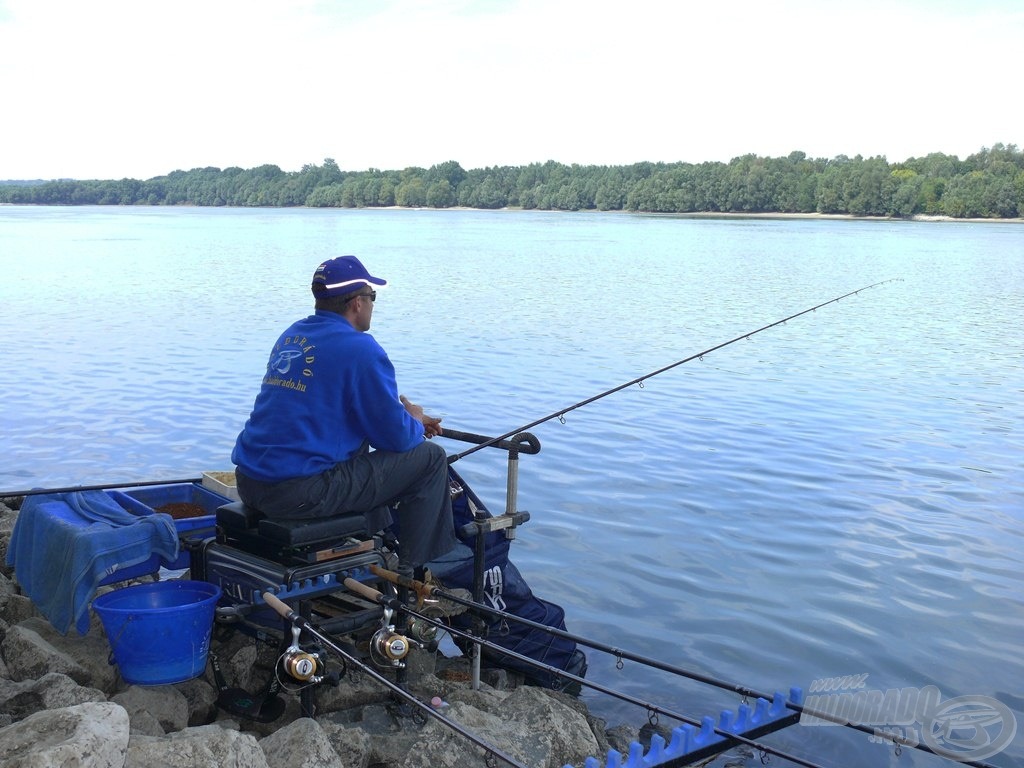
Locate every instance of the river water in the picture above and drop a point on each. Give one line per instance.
(839, 495)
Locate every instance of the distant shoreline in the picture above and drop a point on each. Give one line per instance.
(719, 214)
(826, 216)
(666, 214)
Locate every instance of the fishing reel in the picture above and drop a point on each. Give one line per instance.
(305, 666)
(388, 649)
(423, 633)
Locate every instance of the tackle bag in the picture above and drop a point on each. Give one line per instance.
(506, 590)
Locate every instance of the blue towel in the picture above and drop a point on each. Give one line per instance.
(64, 545)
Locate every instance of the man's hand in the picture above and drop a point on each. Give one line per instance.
(431, 425)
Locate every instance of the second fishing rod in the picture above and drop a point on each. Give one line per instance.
(428, 590)
(395, 604)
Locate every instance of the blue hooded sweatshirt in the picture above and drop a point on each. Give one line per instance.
(329, 388)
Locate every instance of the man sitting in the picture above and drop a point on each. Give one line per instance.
(330, 396)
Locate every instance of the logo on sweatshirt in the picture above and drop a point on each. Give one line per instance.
(291, 361)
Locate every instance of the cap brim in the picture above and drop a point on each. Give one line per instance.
(349, 285)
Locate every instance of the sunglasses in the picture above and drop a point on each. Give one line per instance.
(372, 296)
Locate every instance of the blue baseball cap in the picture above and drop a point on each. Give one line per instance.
(342, 275)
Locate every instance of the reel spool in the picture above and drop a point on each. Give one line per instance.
(301, 665)
(388, 648)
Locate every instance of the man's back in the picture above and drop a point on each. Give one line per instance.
(328, 390)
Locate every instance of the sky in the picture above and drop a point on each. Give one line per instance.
(108, 89)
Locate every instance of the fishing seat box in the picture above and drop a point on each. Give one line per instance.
(298, 540)
(294, 559)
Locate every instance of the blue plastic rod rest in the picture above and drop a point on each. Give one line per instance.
(686, 738)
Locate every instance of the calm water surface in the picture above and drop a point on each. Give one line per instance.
(841, 495)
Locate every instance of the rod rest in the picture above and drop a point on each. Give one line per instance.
(238, 519)
(490, 524)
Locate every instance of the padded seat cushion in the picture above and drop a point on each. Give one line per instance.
(310, 530)
(238, 517)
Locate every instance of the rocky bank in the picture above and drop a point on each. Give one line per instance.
(63, 703)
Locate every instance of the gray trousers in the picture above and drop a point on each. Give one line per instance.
(414, 483)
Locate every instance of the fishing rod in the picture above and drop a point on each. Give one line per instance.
(302, 623)
(427, 590)
(560, 414)
(100, 487)
(396, 604)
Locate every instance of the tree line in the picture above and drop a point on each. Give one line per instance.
(987, 184)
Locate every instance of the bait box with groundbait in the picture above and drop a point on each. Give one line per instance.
(193, 508)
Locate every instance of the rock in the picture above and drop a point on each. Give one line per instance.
(33, 648)
(52, 691)
(202, 700)
(241, 667)
(486, 699)
(375, 735)
(90, 735)
(529, 724)
(163, 705)
(245, 663)
(143, 723)
(8, 517)
(352, 745)
(621, 736)
(292, 711)
(602, 733)
(435, 745)
(500, 679)
(206, 746)
(29, 656)
(565, 731)
(301, 744)
(18, 608)
(355, 689)
(7, 588)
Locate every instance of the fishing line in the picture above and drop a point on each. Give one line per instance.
(288, 614)
(619, 654)
(560, 415)
(101, 487)
(394, 603)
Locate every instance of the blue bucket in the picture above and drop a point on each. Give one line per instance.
(159, 633)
